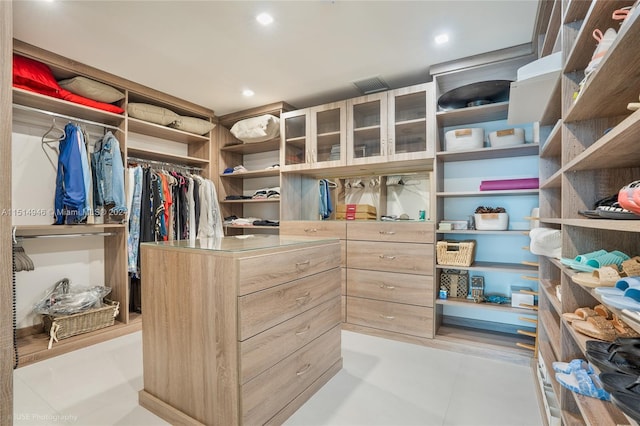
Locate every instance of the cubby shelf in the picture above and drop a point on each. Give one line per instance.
(494, 306)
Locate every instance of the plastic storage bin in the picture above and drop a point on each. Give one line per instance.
(463, 139)
(491, 221)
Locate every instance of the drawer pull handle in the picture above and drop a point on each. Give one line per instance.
(389, 317)
(387, 286)
(304, 330)
(387, 232)
(303, 370)
(310, 230)
(301, 264)
(303, 300)
(384, 256)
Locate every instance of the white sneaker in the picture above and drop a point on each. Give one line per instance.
(604, 43)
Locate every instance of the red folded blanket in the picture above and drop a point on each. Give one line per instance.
(496, 185)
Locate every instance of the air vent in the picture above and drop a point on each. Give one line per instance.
(371, 85)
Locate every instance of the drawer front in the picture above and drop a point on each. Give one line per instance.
(268, 393)
(264, 309)
(268, 270)
(392, 257)
(314, 228)
(396, 317)
(408, 232)
(391, 286)
(266, 349)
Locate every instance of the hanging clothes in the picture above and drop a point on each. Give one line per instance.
(325, 200)
(109, 179)
(72, 174)
(133, 241)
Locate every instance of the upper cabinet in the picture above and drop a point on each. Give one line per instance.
(314, 137)
(391, 126)
(390, 129)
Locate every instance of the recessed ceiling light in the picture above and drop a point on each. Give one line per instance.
(248, 93)
(264, 18)
(442, 38)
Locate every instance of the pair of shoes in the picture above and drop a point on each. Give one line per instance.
(604, 43)
(608, 276)
(627, 403)
(581, 378)
(623, 359)
(632, 318)
(589, 262)
(629, 197)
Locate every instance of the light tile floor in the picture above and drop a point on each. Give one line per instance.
(383, 382)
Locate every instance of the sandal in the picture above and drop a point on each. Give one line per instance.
(617, 382)
(627, 403)
(585, 383)
(614, 362)
(580, 314)
(619, 288)
(573, 365)
(606, 276)
(631, 267)
(596, 327)
(622, 329)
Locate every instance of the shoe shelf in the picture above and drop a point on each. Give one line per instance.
(252, 174)
(490, 153)
(551, 327)
(553, 30)
(605, 224)
(576, 10)
(549, 357)
(478, 114)
(154, 155)
(553, 145)
(616, 149)
(553, 181)
(258, 201)
(607, 92)
(548, 287)
(598, 17)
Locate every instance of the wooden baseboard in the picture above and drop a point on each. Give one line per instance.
(164, 410)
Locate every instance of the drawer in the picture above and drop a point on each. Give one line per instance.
(266, 349)
(267, 270)
(267, 308)
(409, 232)
(391, 286)
(314, 228)
(268, 393)
(409, 258)
(396, 317)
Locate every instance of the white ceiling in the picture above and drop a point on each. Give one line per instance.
(207, 52)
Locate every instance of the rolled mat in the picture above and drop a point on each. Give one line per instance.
(494, 185)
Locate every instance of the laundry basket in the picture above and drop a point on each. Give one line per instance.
(455, 253)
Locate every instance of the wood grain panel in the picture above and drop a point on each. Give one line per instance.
(264, 309)
(266, 349)
(263, 271)
(6, 308)
(190, 355)
(396, 317)
(271, 391)
(408, 258)
(414, 232)
(391, 286)
(314, 228)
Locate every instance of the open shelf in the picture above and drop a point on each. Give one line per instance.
(252, 174)
(33, 348)
(504, 343)
(489, 153)
(260, 200)
(553, 146)
(576, 10)
(492, 306)
(148, 154)
(164, 132)
(250, 227)
(43, 230)
(549, 289)
(494, 266)
(475, 231)
(488, 193)
(605, 224)
(253, 148)
(477, 114)
(552, 330)
(554, 181)
(59, 106)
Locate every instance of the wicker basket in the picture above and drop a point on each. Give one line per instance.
(61, 327)
(456, 282)
(455, 253)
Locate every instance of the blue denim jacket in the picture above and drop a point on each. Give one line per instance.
(108, 174)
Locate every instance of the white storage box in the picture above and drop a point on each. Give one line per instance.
(463, 139)
(491, 221)
(519, 298)
(506, 137)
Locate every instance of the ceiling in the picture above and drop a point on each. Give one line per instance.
(208, 52)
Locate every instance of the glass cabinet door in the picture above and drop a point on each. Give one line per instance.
(409, 125)
(295, 139)
(367, 136)
(328, 123)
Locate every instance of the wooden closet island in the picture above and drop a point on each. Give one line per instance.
(238, 330)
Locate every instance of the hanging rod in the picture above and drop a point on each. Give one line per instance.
(68, 117)
(162, 163)
(98, 234)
